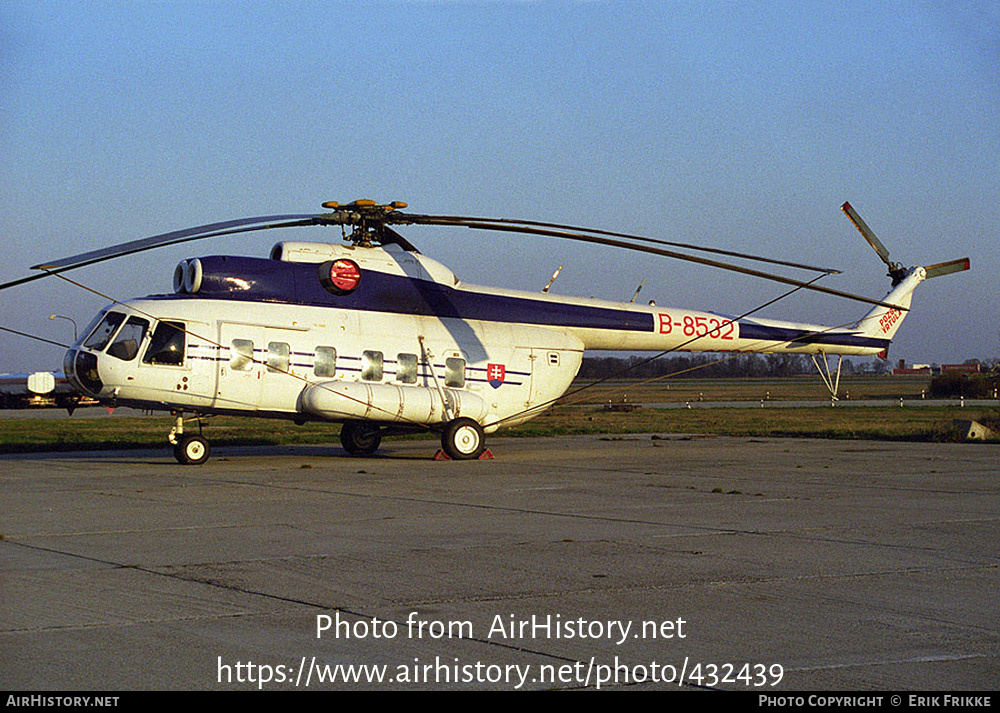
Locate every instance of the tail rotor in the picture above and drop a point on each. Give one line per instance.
(897, 271)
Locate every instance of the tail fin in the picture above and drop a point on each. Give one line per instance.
(883, 322)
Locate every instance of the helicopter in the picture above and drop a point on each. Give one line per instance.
(374, 335)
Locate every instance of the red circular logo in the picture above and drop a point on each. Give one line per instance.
(340, 276)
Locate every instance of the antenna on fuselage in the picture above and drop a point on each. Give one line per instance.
(637, 290)
(552, 279)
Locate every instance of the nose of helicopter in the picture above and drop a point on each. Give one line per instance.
(81, 370)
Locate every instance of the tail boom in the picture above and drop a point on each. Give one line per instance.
(686, 330)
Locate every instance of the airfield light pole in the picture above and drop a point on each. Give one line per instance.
(59, 316)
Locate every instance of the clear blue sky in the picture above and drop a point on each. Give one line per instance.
(741, 125)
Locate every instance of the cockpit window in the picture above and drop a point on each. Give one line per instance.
(167, 345)
(105, 330)
(126, 344)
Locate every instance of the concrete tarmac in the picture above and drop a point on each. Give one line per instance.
(573, 562)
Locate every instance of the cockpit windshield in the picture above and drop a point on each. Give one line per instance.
(105, 330)
(126, 344)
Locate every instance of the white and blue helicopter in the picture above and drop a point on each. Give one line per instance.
(374, 335)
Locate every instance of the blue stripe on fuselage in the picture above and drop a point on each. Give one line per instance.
(760, 332)
(256, 279)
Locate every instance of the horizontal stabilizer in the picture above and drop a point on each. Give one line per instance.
(946, 268)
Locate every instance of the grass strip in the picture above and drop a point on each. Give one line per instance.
(892, 423)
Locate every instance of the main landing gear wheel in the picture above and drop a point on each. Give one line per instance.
(191, 450)
(359, 438)
(463, 439)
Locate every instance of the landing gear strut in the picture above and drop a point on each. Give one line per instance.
(831, 382)
(189, 448)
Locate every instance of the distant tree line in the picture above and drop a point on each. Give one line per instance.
(702, 366)
(711, 366)
(971, 386)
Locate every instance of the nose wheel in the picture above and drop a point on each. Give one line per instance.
(189, 448)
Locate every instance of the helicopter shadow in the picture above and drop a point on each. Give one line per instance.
(162, 456)
(460, 330)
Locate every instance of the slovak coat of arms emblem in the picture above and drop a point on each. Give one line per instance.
(495, 374)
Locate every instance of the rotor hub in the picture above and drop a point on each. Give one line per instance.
(367, 217)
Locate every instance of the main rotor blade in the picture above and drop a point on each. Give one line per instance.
(32, 336)
(211, 230)
(173, 237)
(458, 220)
(391, 236)
(867, 233)
(485, 225)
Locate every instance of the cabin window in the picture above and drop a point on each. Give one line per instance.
(371, 366)
(167, 345)
(326, 361)
(454, 372)
(406, 369)
(105, 330)
(277, 357)
(126, 344)
(241, 355)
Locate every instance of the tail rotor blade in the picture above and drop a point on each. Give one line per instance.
(867, 233)
(946, 268)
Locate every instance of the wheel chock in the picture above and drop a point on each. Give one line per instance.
(487, 454)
